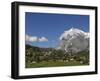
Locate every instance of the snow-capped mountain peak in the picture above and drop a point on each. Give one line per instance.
(71, 32)
(74, 39)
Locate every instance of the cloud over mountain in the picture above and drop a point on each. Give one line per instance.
(35, 39)
(43, 39)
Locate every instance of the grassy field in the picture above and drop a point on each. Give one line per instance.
(53, 64)
(36, 57)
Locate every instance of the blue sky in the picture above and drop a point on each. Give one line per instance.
(51, 26)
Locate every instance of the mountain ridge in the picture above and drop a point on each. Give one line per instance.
(74, 40)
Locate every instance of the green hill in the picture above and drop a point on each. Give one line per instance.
(50, 57)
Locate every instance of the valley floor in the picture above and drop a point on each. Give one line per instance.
(54, 64)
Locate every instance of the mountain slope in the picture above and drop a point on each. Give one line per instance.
(74, 40)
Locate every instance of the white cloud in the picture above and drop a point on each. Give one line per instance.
(35, 39)
(31, 38)
(43, 39)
